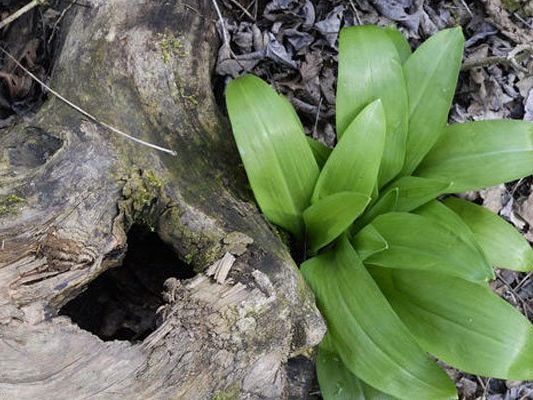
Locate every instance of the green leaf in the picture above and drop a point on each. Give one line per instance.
(368, 242)
(461, 323)
(338, 383)
(431, 76)
(409, 193)
(320, 151)
(502, 244)
(421, 243)
(369, 69)
(438, 212)
(400, 42)
(269, 135)
(331, 216)
(479, 154)
(414, 191)
(371, 340)
(441, 214)
(354, 163)
(385, 204)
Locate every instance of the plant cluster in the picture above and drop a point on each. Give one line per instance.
(400, 272)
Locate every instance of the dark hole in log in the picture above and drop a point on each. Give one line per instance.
(121, 304)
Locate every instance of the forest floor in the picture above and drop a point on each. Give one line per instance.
(292, 44)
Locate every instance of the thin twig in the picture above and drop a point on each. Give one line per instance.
(356, 13)
(225, 35)
(518, 17)
(83, 112)
(486, 389)
(59, 19)
(317, 117)
(467, 8)
(515, 187)
(194, 10)
(517, 297)
(482, 384)
(526, 278)
(243, 9)
(20, 12)
(510, 59)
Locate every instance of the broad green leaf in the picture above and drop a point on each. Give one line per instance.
(421, 243)
(354, 163)
(371, 340)
(385, 204)
(326, 219)
(400, 42)
(271, 141)
(438, 212)
(369, 69)
(479, 154)
(368, 242)
(502, 244)
(320, 151)
(413, 192)
(338, 383)
(461, 323)
(441, 214)
(431, 76)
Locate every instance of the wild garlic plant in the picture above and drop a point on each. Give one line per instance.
(400, 272)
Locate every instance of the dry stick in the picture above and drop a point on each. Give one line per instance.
(58, 20)
(525, 306)
(356, 13)
(467, 8)
(317, 117)
(243, 9)
(486, 389)
(225, 35)
(526, 278)
(20, 12)
(518, 17)
(483, 386)
(83, 112)
(506, 60)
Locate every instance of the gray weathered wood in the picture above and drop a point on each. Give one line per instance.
(70, 190)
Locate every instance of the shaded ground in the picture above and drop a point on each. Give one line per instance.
(293, 45)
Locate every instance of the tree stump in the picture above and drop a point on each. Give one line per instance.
(70, 190)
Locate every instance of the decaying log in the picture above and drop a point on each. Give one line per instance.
(70, 190)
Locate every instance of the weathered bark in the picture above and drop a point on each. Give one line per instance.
(70, 190)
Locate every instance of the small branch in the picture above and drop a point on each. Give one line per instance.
(243, 9)
(526, 278)
(514, 294)
(355, 13)
(20, 12)
(512, 59)
(467, 8)
(83, 112)
(58, 20)
(225, 35)
(317, 117)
